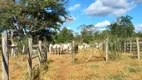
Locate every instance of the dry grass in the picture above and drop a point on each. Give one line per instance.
(61, 68)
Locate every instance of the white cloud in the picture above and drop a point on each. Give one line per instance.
(74, 7)
(109, 7)
(102, 25)
(138, 27)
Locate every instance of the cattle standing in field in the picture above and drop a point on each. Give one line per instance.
(99, 45)
(84, 46)
(61, 48)
(67, 48)
(50, 48)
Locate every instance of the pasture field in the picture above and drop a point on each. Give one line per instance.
(60, 67)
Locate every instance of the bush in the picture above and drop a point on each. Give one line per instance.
(115, 47)
(114, 55)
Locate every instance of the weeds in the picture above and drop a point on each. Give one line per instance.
(116, 77)
(93, 66)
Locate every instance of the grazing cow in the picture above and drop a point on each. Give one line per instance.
(62, 48)
(67, 48)
(84, 46)
(50, 48)
(57, 48)
(99, 45)
(80, 47)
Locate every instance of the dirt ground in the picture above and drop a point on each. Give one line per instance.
(60, 67)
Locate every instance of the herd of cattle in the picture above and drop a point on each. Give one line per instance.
(62, 48)
(66, 48)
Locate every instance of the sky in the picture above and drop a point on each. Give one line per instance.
(102, 13)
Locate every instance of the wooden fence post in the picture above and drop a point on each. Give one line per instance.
(45, 52)
(39, 51)
(106, 49)
(124, 46)
(130, 46)
(29, 57)
(138, 48)
(5, 58)
(40, 48)
(73, 52)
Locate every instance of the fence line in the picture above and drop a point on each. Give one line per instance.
(5, 57)
(38, 56)
(133, 46)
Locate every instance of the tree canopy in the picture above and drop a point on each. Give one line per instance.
(31, 16)
(123, 27)
(66, 35)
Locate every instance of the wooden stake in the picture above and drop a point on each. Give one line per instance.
(5, 58)
(30, 58)
(138, 49)
(107, 49)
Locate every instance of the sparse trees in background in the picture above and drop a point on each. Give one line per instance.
(66, 35)
(86, 35)
(123, 27)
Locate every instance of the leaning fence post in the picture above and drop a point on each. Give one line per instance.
(5, 58)
(29, 57)
(106, 49)
(138, 48)
(39, 51)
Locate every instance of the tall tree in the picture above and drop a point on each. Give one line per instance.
(32, 16)
(66, 35)
(123, 27)
(86, 35)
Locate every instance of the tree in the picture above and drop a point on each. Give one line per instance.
(66, 35)
(32, 16)
(77, 37)
(86, 35)
(123, 27)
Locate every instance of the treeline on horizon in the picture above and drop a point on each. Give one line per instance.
(42, 20)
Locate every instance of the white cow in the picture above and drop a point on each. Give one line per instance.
(57, 48)
(80, 47)
(50, 48)
(84, 46)
(66, 48)
(98, 45)
(60, 48)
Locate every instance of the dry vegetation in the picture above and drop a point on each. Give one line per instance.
(61, 68)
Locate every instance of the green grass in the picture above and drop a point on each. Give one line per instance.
(92, 66)
(116, 77)
(134, 70)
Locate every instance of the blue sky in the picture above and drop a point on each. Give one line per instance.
(103, 12)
